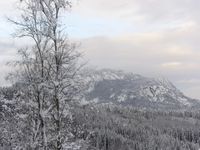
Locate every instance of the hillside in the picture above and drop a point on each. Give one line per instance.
(119, 128)
(127, 89)
(121, 111)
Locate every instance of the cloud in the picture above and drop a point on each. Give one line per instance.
(190, 81)
(8, 51)
(149, 37)
(171, 64)
(141, 10)
(192, 92)
(174, 55)
(9, 7)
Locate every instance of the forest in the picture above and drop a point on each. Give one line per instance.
(108, 127)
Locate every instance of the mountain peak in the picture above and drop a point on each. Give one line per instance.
(118, 87)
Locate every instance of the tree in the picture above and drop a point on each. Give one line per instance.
(48, 72)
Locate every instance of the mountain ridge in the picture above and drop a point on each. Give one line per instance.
(128, 89)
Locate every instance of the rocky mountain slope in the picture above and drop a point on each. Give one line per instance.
(117, 87)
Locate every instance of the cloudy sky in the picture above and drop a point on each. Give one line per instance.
(149, 37)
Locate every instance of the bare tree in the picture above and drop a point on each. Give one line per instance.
(48, 71)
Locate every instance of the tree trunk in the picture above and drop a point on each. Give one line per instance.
(58, 142)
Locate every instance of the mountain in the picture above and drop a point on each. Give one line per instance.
(128, 89)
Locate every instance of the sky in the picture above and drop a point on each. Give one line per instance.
(148, 37)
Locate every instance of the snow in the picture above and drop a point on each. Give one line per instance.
(5, 107)
(152, 89)
(77, 145)
(122, 98)
(83, 101)
(95, 100)
(112, 95)
(22, 116)
(90, 89)
(5, 101)
(133, 96)
(184, 101)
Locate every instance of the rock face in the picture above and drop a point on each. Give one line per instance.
(117, 87)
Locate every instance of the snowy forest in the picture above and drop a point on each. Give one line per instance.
(43, 109)
(105, 127)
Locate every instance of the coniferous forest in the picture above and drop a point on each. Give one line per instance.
(107, 127)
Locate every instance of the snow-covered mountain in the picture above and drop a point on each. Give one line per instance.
(117, 87)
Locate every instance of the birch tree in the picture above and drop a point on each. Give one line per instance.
(48, 72)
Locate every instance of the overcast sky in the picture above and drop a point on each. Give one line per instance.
(149, 37)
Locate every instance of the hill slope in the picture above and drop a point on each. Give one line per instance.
(117, 87)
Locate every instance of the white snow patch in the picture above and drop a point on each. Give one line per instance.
(133, 96)
(112, 95)
(22, 116)
(83, 101)
(184, 101)
(95, 100)
(121, 98)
